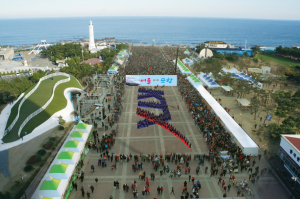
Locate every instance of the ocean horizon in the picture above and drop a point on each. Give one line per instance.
(165, 30)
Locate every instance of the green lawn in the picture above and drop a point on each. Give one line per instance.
(36, 100)
(14, 110)
(59, 102)
(279, 60)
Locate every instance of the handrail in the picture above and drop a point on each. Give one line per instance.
(28, 95)
(43, 107)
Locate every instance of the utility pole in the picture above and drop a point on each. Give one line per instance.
(176, 60)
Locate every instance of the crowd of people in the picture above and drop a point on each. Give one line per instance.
(216, 137)
(148, 60)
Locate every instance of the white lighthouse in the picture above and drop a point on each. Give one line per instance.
(92, 42)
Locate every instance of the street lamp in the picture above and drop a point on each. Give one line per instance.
(294, 179)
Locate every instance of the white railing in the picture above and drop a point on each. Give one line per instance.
(45, 105)
(28, 94)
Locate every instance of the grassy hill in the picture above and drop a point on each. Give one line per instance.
(279, 60)
(35, 101)
(58, 103)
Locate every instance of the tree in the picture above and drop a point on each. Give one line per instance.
(61, 121)
(274, 131)
(255, 49)
(5, 195)
(199, 48)
(255, 105)
(280, 114)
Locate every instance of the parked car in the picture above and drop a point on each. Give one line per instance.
(17, 74)
(25, 73)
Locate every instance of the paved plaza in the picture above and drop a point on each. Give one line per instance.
(155, 139)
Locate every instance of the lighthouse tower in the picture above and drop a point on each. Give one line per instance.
(92, 42)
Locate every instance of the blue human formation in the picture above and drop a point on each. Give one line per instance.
(165, 116)
(161, 119)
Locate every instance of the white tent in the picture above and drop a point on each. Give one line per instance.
(68, 157)
(51, 187)
(207, 81)
(79, 136)
(187, 61)
(74, 146)
(243, 140)
(60, 170)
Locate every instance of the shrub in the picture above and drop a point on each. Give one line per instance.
(52, 139)
(28, 168)
(41, 152)
(61, 128)
(34, 159)
(47, 146)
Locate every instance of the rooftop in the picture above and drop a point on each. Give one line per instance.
(293, 140)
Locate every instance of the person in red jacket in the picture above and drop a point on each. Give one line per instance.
(147, 190)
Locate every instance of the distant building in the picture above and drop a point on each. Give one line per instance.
(38, 48)
(6, 53)
(93, 61)
(205, 53)
(263, 70)
(217, 44)
(289, 153)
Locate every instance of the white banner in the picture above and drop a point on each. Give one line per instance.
(151, 80)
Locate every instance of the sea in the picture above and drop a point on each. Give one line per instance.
(143, 30)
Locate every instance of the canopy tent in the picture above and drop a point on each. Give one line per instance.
(56, 180)
(183, 69)
(49, 198)
(112, 70)
(68, 157)
(227, 88)
(187, 52)
(61, 171)
(82, 127)
(243, 102)
(79, 136)
(187, 61)
(247, 145)
(207, 81)
(52, 187)
(74, 145)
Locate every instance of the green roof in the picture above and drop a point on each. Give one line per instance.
(76, 134)
(60, 168)
(66, 155)
(46, 198)
(50, 184)
(81, 125)
(71, 144)
(197, 80)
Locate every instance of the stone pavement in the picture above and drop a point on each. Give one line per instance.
(155, 139)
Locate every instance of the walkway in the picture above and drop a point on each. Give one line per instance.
(155, 139)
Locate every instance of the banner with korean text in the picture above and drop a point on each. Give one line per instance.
(151, 80)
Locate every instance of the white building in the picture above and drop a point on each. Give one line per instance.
(217, 44)
(263, 70)
(289, 153)
(6, 53)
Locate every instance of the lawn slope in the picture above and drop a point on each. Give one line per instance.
(58, 103)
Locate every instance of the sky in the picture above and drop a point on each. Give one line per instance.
(254, 9)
